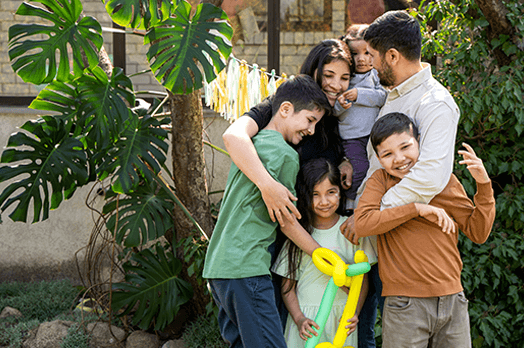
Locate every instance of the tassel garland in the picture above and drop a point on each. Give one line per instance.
(237, 89)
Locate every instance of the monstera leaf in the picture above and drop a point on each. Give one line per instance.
(59, 97)
(178, 43)
(152, 282)
(128, 13)
(103, 108)
(96, 103)
(35, 60)
(144, 215)
(141, 148)
(49, 158)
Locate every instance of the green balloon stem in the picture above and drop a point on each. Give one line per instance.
(358, 269)
(329, 297)
(323, 312)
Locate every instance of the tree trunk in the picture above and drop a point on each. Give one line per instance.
(190, 179)
(495, 12)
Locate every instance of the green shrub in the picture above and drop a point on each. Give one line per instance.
(41, 301)
(203, 333)
(76, 338)
(489, 92)
(38, 302)
(13, 333)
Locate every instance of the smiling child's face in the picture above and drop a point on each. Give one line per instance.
(398, 153)
(361, 57)
(326, 198)
(301, 124)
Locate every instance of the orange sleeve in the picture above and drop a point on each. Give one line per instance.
(369, 219)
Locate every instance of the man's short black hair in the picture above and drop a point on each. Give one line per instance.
(304, 93)
(389, 124)
(398, 30)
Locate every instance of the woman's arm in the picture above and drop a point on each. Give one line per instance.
(278, 199)
(304, 324)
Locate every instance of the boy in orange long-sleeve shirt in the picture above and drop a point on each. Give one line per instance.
(419, 262)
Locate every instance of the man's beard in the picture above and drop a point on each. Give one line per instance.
(386, 75)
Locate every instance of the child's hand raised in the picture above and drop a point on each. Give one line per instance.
(474, 164)
(305, 328)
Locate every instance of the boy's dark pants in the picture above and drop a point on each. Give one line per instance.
(248, 316)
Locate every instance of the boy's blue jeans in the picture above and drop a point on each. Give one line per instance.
(247, 314)
(368, 313)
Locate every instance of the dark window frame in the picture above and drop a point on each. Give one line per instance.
(119, 53)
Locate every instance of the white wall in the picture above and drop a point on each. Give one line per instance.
(46, 250)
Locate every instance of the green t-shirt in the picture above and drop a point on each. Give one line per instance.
(244, 231)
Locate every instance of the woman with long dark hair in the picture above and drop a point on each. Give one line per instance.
(329, 63)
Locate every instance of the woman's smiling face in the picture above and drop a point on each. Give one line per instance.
(335, 79)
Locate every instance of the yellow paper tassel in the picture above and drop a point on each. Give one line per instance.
(223, 95)
(243, 99)
(281, 80)
(216, 95)
(264, 83)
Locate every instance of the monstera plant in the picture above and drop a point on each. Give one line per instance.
(92, 131)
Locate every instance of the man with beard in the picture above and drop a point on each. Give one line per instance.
(394, 40)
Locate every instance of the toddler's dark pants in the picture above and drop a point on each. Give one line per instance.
(355, 150)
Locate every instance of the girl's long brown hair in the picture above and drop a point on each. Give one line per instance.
(311, 173)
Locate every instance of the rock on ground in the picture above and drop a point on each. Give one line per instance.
(142, 339)
(101, 335)
(174, 344)
(10, 312)
(49, 335)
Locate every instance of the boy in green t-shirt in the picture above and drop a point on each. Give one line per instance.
(238, 261)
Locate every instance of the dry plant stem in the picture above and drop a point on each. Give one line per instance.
(100, 248)
(112, 263)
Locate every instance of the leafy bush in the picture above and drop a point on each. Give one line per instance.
(76, 338)
(203, 333)
(485, 73)
(41, 301)
(95, 133)
(153, 290)
(12, 334)
(38, 302)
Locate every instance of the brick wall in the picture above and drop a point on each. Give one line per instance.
(293, 49)
(12, 85)
(294, 46)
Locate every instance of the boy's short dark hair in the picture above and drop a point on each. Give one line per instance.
(304, 93)
(398, 30)
(389, 124)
